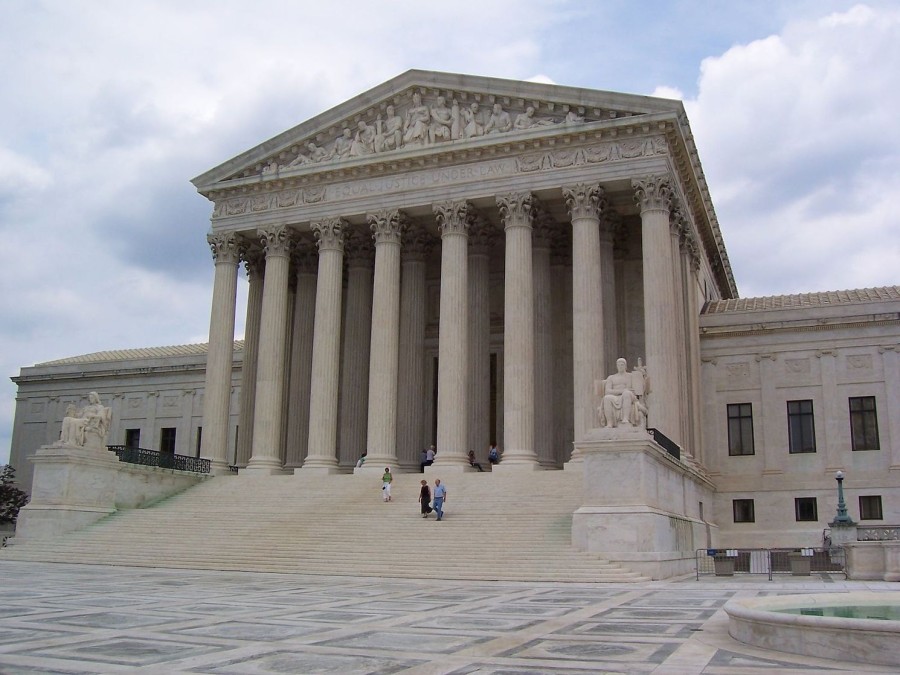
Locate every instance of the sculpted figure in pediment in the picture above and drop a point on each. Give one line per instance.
(472, 125)
(499, 121)
(416, 124)
(343, 144)
(364, 141)
(573, 118)
(300, 160)
(270, 168)
(317, 154)
(527, 120)
(439, 129)
(388, 132)
(455, 121)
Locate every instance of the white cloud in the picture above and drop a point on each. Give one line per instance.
(798, 137)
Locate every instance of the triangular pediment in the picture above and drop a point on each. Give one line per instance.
(421, 112)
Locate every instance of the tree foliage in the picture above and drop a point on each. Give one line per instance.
(11, 498)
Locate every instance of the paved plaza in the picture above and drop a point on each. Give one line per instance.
(96, 619)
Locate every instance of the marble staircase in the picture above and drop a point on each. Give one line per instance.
(498, 526)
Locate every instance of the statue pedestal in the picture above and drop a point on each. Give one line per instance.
(72, 488)
(641, 506)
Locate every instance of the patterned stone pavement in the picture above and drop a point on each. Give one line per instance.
(94, 619)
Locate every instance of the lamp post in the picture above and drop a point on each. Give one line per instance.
(841, 518)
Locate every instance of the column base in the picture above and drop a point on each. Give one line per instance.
(434, 469)
(516, 467)
(264, 471)
(318, 471)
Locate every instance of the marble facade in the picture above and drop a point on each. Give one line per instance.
(459, 260)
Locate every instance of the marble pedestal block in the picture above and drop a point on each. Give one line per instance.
(873, 560)
(73, 487)
(641, 506)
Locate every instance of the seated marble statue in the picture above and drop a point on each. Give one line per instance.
(87, 427)
(623, 403)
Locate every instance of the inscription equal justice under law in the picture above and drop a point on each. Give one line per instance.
(421, 179)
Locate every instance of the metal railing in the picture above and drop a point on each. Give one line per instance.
(164, 460)
(769, 561)
(665, 442)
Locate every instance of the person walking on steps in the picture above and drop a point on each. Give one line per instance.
(425, 499)
(440, 496)
(386, 481)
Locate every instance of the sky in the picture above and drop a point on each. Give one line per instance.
(109, 108)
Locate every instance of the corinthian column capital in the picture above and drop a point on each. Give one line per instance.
(516, 209)
(358, 250)
(329, 234)
(584, 200)
(652, 193)
(276, 240)
(452, 217)
(253, 257)
(225, 248)
(482, 234)
(387, 226)
(417, 244)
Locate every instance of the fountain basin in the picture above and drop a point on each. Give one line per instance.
(763, 622)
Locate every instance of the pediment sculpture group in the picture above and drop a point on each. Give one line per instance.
(421, 126)
(624, 397)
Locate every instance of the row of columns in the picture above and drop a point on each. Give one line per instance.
(526, 329)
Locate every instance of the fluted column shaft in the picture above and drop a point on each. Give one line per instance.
(268, 411)
(481, 237)
(323, 402)
(653, 195)
(561, 304)
(543, 364)
(219, 362)
(453, 339)
(301, 359)
(354, 392)
(518, 332)
(387, 227)
(411, 380)
(255, 264)
(588, 349)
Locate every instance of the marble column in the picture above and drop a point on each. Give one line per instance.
(609, 221)
(544, 231)
(306, 263)
(267, 413)
(354, 394)
(323, 401)
(387, 227)
(691, 266)
(677, 225)
(254, 263)
(417, 244)
(584, 202)
(653, 195)
(219, 362)
(482, 236)
(453, 339)
(518, 332)
(561, 307)
(890, 357)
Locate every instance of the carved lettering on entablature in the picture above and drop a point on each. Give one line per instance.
(420, 180)
(860, 361)
(593, 154)
(797, 366)
(424, 118)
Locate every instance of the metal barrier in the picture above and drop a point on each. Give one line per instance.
(665, 442)
(769, 561)
(164, 460)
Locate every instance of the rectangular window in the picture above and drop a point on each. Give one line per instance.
(870, 508)
(863, 423)
(805, 509)
(740, 429)
(801, 426)
(743, 511)
(132, 438)
(199, 439)
(167, 440)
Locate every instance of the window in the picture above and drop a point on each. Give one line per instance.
(740, 429)
(870, 508)
(801, 427)
(199, 439)
(805, 509)
(167, 440)
(863, 423)
(743, 511)
(132, 438)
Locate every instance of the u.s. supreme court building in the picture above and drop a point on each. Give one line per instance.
(461, 261)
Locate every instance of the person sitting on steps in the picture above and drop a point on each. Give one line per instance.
(472, 461)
